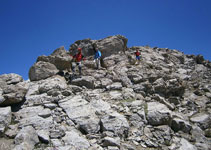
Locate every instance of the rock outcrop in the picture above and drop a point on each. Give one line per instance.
(164, 102)
(12, 89)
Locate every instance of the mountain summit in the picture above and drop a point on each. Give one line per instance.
(163, 102)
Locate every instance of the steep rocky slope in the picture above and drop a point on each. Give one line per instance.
(162, 103)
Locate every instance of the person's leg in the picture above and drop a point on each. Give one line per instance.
(73, 67)
(98, 63)
(79, 68)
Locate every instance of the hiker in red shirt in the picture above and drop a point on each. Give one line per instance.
(77, 61)
(137, 53)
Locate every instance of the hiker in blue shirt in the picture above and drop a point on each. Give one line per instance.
(97, 57)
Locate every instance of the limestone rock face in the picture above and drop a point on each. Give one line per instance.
(162, 102)
(42, 70)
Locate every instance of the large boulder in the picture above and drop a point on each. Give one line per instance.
(13, 94)
(42, 70)
(158, 114)
(12, 89)
(87, 46)
(112, 45)
(108, 46)
(60, 58)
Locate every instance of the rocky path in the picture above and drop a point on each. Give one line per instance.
(162, 103)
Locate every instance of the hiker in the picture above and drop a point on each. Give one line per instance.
(137, 53)
(97, 57)
(77, 58)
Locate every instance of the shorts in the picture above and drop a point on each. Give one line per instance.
(138, 57)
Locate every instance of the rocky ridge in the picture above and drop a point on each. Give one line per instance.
(162, 103)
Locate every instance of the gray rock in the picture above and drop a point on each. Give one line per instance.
(76, 107)
(43, 136)
(87, 81)
(56, 142)
(128, 93)
(159, 86)
(180, 125)
(163, 135)
(115, 123)
(28, 136)
(85, 44)
(108, 46)
(2, 99)
(45, 113)
(37, 122)
(208, 132)
(13, 94)
(29, 116)
(115, 95)
(198, 134)
(60, 58)
(3, 84)
(75, 140)
(57, 134)
(112, 45)
(109, 141)
(23, 146)
(50, 106)
(202, 146)
(42, 70)
(12, 131)
(185, 145)
(105, 82)
(114, 86)
(97, 105)
(128, 146)
(5, 118)
(89, 126)
(11, 78)
(6, 144)
(42, 99)
(158, 114)
(136, 120)
(202, 119)
(82, 113)
(56, 83)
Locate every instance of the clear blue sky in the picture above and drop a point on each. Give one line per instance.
(30, 28)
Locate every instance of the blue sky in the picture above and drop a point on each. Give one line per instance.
(30, 28)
